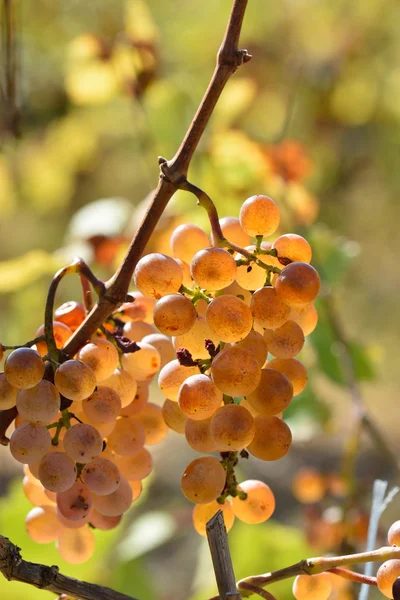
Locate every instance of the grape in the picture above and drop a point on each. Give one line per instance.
(75, 503)
(24, 368)
(246, 404)
(394, 534)
(29, 443)
(203, 480)
(199, 397)
(235, 372)
(232, 427)
(102, 522)
(61, 333)
(312, 587)
(135, 467)
(308, 486)
(298, 284)
(293, 369)
(198, 436)
(75, 380)
(76, 545)
(34, 466)
(101, 356)
(259, 504)
(157, 275)
(39, 404)
(307, 318)
(101, 476)
(229, 318)
(273, 394)
(57, 472)
(272, 438)
(117, 502)
(123, 384)
(285, 341)
(8, 393)
(42, 525)
(268, 309)
(235, 290)
(187, 280)
(128, 436)
(186, 240)
(139, 402)
(71, 314)
(141, 309)
(259, 215)
(173, 416)
(163, 344)
(252, 276)
(194, 339)
(34, 492)
(153, 422)
(213, 268)
(202, 513)
(256, 345)
(387, 574)
(105, 429)
(233, 232)
(83, 442)
(172, 376)
(137, 330)
(137, 488)
(103, 406)
(68, 523)
(143, 363)
(174, 314)
(294, 247)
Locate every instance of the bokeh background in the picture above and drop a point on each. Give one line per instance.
(103, 89)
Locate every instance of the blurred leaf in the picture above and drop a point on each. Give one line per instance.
(237, 97)
(108, 217)
(362, 363)
(146, 533)
(19, 272)
(139, 22)
(334, 254)
(92, 83)
(325, 345)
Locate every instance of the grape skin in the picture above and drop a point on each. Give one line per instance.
(75, 380)
(199, 397)
(143, 363)
(76, 545)
(298, 284)
(312, 587)
(137, 330)
(101, 356)
(235, 372)
(293, 369)
(57, 472)
(135, 467)
(24, 368)
(101, 476)
(8, 393)
(259, 215)
(115, 504)
(198, 436)
(39, 404)
(232, 427)
(272, 438)
(29, 443)
(42, 525)
(273, 394)
(259, 504)
(102, 522)
(194, 339)
(163, 344)
(394, 534)
(157, 275)
(83, 442)
(256, 345)
(123, 384)
(174, 314)
(268, 309)
(286, 341)
(186, 240)
(232, 231)
(387, 574)
(153, 422)
(213, 268)
(128, 437)
(294, 247)
(173, 416)
(61, 333)
(102, 406)
(71, 314)
(229, 318)
(202, 513)
(203, 480)
(75, 503)
(172, 376)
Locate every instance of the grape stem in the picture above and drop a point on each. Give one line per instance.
(29, 344)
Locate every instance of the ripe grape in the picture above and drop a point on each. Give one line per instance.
(272, 438)
(135, 467)
(101, 476)
(123, 384)
(128, 436)
(117, 502)
(256, 345)
(39, 404)
(259, 215)
(76, 545)
(143, 363)
(153, 422)
(29, 443)
(235, 290)
(57, 472)
(83, 442)
(8, 393)
(68, 523)
(140, 309)
(105, 429)
(306, 317)
(244, 402)
(24, 368)
(203, 480)
(233, 232)
(187, 280)
(194, 339)
(42, 525)
(75, 380)
(253, 276)
(102, 522)
(387, 574)
(235, 372)
(137, 488)
(139, 401)
(157, 275)
(229, 318)
(71, 314)
(293, 369)
(174, 314)
(172, 376)
(232, 427)
(294, 247)
(101, 356)
(268, 309)
(312, 587)
(213, 268)
(198, 436)
(286, 341)
(259, 504)
(273, 394)
(34, 492)
(298, 284)
(202, 513)
(137, 330)
(163, 344)
(61, 333)
(75, 503)
(173, 416)
(199, 397)
(103, 406)
(186, 240)
(308, 486)
(394, 534)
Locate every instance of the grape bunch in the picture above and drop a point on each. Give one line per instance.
(221, 325)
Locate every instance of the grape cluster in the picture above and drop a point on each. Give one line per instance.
(204, 320)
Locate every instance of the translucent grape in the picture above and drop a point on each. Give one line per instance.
(308, 486)
(307, 318)
(143, 363)
(186, 240)
(202, 513)
(128, 437)
(394, 534)
(39, 404)
(29, 443)
(123, 384)
(293, 369)
(102, 522)
(75, 503)
(172, 376)
(268, 309)
(187, 280)
(194, 339)
(312, 587)
(139, 401)
(42, 525)
(101, 356)
(272, 438)
(24, 368)
(294, 247)
(286, 341)
(140, 309)
(153, 422)
(137, 330)
(135, 467)
(235, 290)
(259, 504)
(137, 488)
(8, 393)
(198, 436)
(259, 215)
(174, 314)
(157, 275)
(57, 472)
(229, 318)
(246, 404)
(105, 429)
(253, 276)
(256, 345)
(203, 480)
(235, 372)
(232, 427)
(76, 545)
(199, 397)
(213, 268)
(298, 284)
(163, 344)
(83, 442)
(34, 492)
(173, 416)
(75, 380)
(116, 503)
(273, 394)
(103, 406)
(68, 523)
(233, 232)
(61, 333)
(387, 574)
(71, 314)
(101, 476)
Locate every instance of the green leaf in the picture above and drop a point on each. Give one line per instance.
(362, 363)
